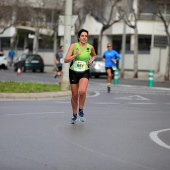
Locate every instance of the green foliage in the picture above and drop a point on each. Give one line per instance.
(22, 87)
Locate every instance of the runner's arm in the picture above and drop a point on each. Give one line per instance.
(70, 56)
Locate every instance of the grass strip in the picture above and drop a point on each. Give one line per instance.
(23, 87)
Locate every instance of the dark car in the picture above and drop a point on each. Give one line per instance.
(29, 62)
(97, 68)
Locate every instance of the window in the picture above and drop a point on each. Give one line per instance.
(160, 41)
(144, 42)
(117, 42)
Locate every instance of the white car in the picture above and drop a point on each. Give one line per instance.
(3, 61)
(97, 68)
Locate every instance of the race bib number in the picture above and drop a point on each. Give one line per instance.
(114, 67)
(61, 60)
(80, 66)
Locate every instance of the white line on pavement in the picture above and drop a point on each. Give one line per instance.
(142, 103)
(155, 138)
(18, 114)
(62, 102)
(95, 95)
(104, 103)
(134, 97)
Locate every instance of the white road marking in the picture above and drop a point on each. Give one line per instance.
(110, 103)
(134, 97)
(95, 95)
(104, 103)
(142, 103)
(18, 114)
(130, 89)
(155, 138)
(63, 102)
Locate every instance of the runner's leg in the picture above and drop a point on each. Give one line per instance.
(109, 76)
(83, 83)
(74, 97)
(109, 79)
(59, 76)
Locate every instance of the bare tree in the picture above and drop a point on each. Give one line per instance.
(130, 16)
(6, 15)
(162, 15)
(105, 13)
(12, 13)
(43, 16)
(38, 14)
(81, 12)
(52, 10)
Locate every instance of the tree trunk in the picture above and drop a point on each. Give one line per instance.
(99, 52)
(55, 42)
(135, 74)
(123, 50)
(167, 74)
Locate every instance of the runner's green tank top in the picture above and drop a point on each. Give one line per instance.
(80, 63)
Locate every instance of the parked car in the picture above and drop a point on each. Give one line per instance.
(97, 68)
(3, 61)
(29, 62)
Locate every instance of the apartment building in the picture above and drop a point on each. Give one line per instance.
(152, 38)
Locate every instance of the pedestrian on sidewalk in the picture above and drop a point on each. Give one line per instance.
(58, 59)
(79, 55)
(110, 57)
(11, 55)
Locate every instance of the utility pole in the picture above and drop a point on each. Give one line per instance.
(67, 42)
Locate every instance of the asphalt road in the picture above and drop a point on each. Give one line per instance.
(127, 129)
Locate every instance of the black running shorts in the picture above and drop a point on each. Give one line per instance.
(58, 68)
(109, 68)
(76, 76)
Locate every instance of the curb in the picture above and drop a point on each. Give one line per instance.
(34, 95)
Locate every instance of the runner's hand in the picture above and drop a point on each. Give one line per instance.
(78, 53)
(114, 61)
(90, 62)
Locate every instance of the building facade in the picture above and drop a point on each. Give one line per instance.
(152, 38)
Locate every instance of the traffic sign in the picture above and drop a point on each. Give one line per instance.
(73, 19)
